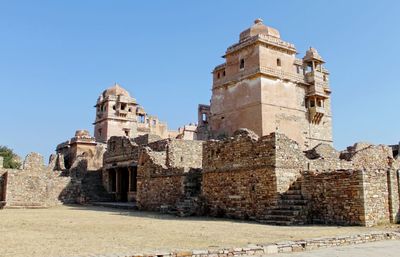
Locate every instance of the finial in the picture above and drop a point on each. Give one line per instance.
(258, 21)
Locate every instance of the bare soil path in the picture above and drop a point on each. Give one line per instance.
(80, 231)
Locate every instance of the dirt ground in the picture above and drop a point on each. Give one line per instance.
(82, 231)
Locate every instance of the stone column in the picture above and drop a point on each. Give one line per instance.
(129, 179)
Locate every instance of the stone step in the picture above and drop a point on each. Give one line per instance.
(279, 217)
(283, 212)
(295, 187)
(292, 197)
(283, 202)
(290, 207)
(276, 222)
(293, 192)
(117, 205)
(282, 222)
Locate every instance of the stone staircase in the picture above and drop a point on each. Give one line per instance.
(289, 210)
(190, 204)
(92, 188)
(187, 207)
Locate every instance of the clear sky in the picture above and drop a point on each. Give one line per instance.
(56, 57)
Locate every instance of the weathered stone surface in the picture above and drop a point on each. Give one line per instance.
(245, 178)
(168, 170)
(33, 161)
(323, 151)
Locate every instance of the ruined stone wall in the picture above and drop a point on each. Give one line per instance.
(27, 188)
(359, 187)
(146, 139)
(35, 185)
(379, 181)
(157, 191)
(185, 153)
(376, 197)
(238, 193)
(243, 151)
(238, 176)
(334, 197)
(245, 175)
(121, 149)
(163, 168)
(289, 161)
(39, 186)
(157, 184)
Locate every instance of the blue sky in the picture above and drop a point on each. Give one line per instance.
(56, 57)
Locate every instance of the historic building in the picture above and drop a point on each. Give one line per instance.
(263, 86)
(118, 114)
(263, 151)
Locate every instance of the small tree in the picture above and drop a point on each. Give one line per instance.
(10, 158)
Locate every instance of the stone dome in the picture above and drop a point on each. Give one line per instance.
(312, 54)
(115, 90)
(259, 28)
(82, 133)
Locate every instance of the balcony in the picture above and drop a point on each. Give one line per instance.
(316, 89)
(316, 113)
(314, 77)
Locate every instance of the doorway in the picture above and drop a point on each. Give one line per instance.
(123, 180)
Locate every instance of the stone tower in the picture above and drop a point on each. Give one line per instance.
(262, 86)
(115, 114)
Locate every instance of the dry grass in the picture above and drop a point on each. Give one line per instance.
(79, 231)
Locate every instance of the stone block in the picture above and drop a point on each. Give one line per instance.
(270, 249)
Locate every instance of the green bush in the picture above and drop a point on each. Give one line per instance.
(10, 158)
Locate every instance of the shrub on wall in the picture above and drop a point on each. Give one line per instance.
(10, 158)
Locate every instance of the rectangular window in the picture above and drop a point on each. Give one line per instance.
(141, 118)
(241, 64)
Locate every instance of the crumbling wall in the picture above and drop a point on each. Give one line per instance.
(366, 192)
(376, 197)
(378, 179)
(238, 175)
(146, 139)
(185, 153)
(35, 185)
(157, 184)
(334, 197)
(121, 149)
(289, 161)
(163, 168)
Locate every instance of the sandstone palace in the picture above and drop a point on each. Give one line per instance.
(262, 150)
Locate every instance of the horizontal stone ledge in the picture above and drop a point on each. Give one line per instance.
(273, 248)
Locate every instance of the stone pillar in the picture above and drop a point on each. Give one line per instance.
(129, 179)
(1, 162)
(117, 185)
